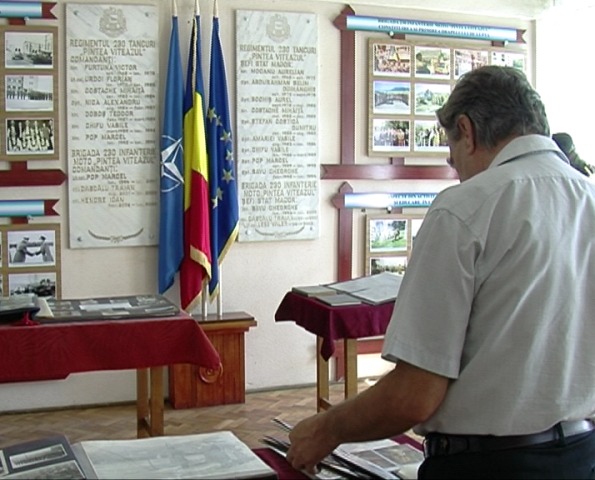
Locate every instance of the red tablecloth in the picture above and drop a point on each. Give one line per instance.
(333, 323)
(53, 351)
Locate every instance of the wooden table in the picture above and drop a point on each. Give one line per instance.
(52, 351)
(332, 324)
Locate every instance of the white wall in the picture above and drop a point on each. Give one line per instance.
(255, 275)
(564, 80)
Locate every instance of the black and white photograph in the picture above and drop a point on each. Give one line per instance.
(42, 284)
(509, 59)
(392, 264)
(29, 136)
(390, 135)
(31, 248)
(430, 137)
(29, 93)
(432, 62)
(467, 60)
(29, 49)
(429, 97)
(391, 97)
(389, 59)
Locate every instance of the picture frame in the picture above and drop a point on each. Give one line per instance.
(31, 258)
(29, 93)
(429, 136)
(429, 97)
(409, 81)
(29, 47)
(29, 137)
(389, 241)
(391, 97)
(43, 284)
(387, 263)
(390, 135)
(391, 59)
(26, 92)
(465, 60)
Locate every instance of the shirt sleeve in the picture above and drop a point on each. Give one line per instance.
(431, 313)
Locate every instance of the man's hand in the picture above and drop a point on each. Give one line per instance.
(311, 442)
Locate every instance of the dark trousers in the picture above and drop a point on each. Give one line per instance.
(573, 457)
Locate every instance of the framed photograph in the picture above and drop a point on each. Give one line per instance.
(430, 137)
(509, 59)
(391, 97)
(29, 93)
(429, 97)
(467, 60)
(31, 248)
(387, 234)
(432, 62)
(43, 284)
(389, 136)
(28, 137)
(29, 47)
(393, 264)
(390, 59)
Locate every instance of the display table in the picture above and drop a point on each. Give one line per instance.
(55, 350)
(330, 324)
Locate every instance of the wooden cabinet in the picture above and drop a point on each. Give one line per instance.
(191, 386)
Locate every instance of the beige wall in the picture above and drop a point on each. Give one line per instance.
(255, 276)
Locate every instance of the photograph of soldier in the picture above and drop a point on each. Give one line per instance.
(31, 248)
(430, 136)
(390, 135)
(32, 93)
(29, 136)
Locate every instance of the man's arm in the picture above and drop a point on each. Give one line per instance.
(404, 397)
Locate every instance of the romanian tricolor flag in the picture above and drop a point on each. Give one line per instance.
(171, 228)
(222, 176)
(196, 265)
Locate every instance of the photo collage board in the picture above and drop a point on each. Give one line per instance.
(30, 259)
(389, 241)
(408, 82)
(29, 93)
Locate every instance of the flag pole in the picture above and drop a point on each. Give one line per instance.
(220, 293)
(174, 8)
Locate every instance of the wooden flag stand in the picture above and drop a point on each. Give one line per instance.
(191, 386)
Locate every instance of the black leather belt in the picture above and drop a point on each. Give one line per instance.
(443, 444)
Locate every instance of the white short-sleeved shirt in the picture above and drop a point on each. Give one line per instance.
(499, 296)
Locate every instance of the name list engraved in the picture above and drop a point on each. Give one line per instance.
(113, 159)
(277, 125)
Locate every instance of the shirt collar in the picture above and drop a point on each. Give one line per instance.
(526, 145)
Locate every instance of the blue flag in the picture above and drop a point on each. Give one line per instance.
(171, 215)
(222, 176)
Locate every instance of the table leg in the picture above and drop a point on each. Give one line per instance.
(142, 402)
(156, 402)
(149, 403)
(350, 359)
(322, 379)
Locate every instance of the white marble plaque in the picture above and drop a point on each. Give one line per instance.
(277, 125)
(112, 59)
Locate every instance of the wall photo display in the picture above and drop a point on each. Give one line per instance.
(389, 241)
(408, 82)
(30, 259)
(28, 93)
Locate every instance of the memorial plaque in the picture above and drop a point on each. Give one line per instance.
(277, 125)
(112, 60)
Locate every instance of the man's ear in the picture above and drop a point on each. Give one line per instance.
(467, 132)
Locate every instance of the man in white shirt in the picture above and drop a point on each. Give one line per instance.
(492, 331)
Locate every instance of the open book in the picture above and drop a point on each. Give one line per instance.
(216, 455)
(382, 459)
